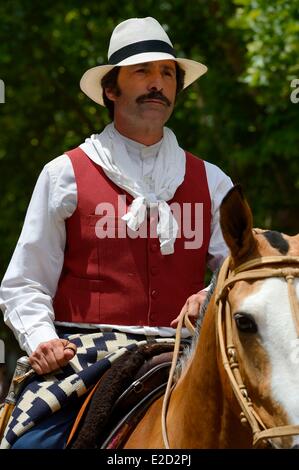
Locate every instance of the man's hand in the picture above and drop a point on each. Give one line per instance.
(192, 305)
(52, 355)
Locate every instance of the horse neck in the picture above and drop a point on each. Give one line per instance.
(200, 415)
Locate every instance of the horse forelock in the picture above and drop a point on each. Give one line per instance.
(271, 243)
(277, 240)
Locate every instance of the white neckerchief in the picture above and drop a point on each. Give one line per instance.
(168, 174)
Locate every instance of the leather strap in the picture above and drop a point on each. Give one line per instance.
(183, 319)
(82, 411)
(188, 324)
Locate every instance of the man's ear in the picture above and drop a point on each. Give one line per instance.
(111, 94)
(236, 224)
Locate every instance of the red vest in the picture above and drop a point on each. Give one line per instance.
(125, 280)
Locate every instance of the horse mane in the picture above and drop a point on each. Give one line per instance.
(188, 351)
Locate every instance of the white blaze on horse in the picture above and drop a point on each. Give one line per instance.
(239, 386)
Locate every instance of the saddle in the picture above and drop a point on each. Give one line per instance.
(147, 383)
(137, 407)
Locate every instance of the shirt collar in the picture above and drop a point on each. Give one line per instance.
(143, 151)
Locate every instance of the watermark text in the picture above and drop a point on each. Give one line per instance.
(2, 91)
(294, 97)
(189, 218)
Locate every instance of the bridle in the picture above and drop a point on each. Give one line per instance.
(258, 268)
(286, 267)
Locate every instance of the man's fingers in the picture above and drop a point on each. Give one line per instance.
(43, 359)
(36, 367)
(58, 351)
(70, 349)
(50, 352)
(65, 352)
(193, 309)
(71, 346)
(175, 322)
(192, 305)
(39, 364)
(52, 355)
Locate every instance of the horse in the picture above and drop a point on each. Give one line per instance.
(239, 384)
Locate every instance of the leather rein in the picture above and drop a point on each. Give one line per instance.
(286, 267)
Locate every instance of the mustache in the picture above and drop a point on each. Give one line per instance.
(154, 95)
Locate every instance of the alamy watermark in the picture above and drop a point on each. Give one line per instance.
(2, 352)
(2, 91)
(189, 217)
(294, 97)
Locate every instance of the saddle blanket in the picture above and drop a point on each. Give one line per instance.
(44, 395)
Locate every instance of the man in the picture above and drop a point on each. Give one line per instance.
(101, 247)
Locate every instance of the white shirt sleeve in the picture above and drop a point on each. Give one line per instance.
(219, 184)
(31, 279)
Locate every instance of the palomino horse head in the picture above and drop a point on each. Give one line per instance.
(239, 384)
(258, 323)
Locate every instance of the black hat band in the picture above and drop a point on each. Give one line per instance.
(139, 48)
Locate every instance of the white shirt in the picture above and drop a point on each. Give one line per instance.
(31, 279)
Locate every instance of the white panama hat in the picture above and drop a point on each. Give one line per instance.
(136, 41)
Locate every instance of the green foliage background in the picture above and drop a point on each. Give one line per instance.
(239, 115)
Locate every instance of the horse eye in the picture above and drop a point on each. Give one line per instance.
(245, 323)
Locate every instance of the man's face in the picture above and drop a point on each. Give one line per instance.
(147, 92)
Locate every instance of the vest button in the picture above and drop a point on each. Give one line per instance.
(154, 246)
(154, 270)
(154, 293)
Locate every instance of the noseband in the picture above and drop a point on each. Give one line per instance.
(286, 267)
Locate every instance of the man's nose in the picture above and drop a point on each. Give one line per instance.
(155, 82)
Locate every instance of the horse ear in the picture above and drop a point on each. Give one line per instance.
(236, 224)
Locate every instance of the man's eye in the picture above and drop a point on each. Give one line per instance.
(169, 73)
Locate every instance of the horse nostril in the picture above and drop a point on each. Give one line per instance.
(296, 446)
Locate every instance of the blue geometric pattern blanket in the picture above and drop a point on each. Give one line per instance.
(44, 395)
